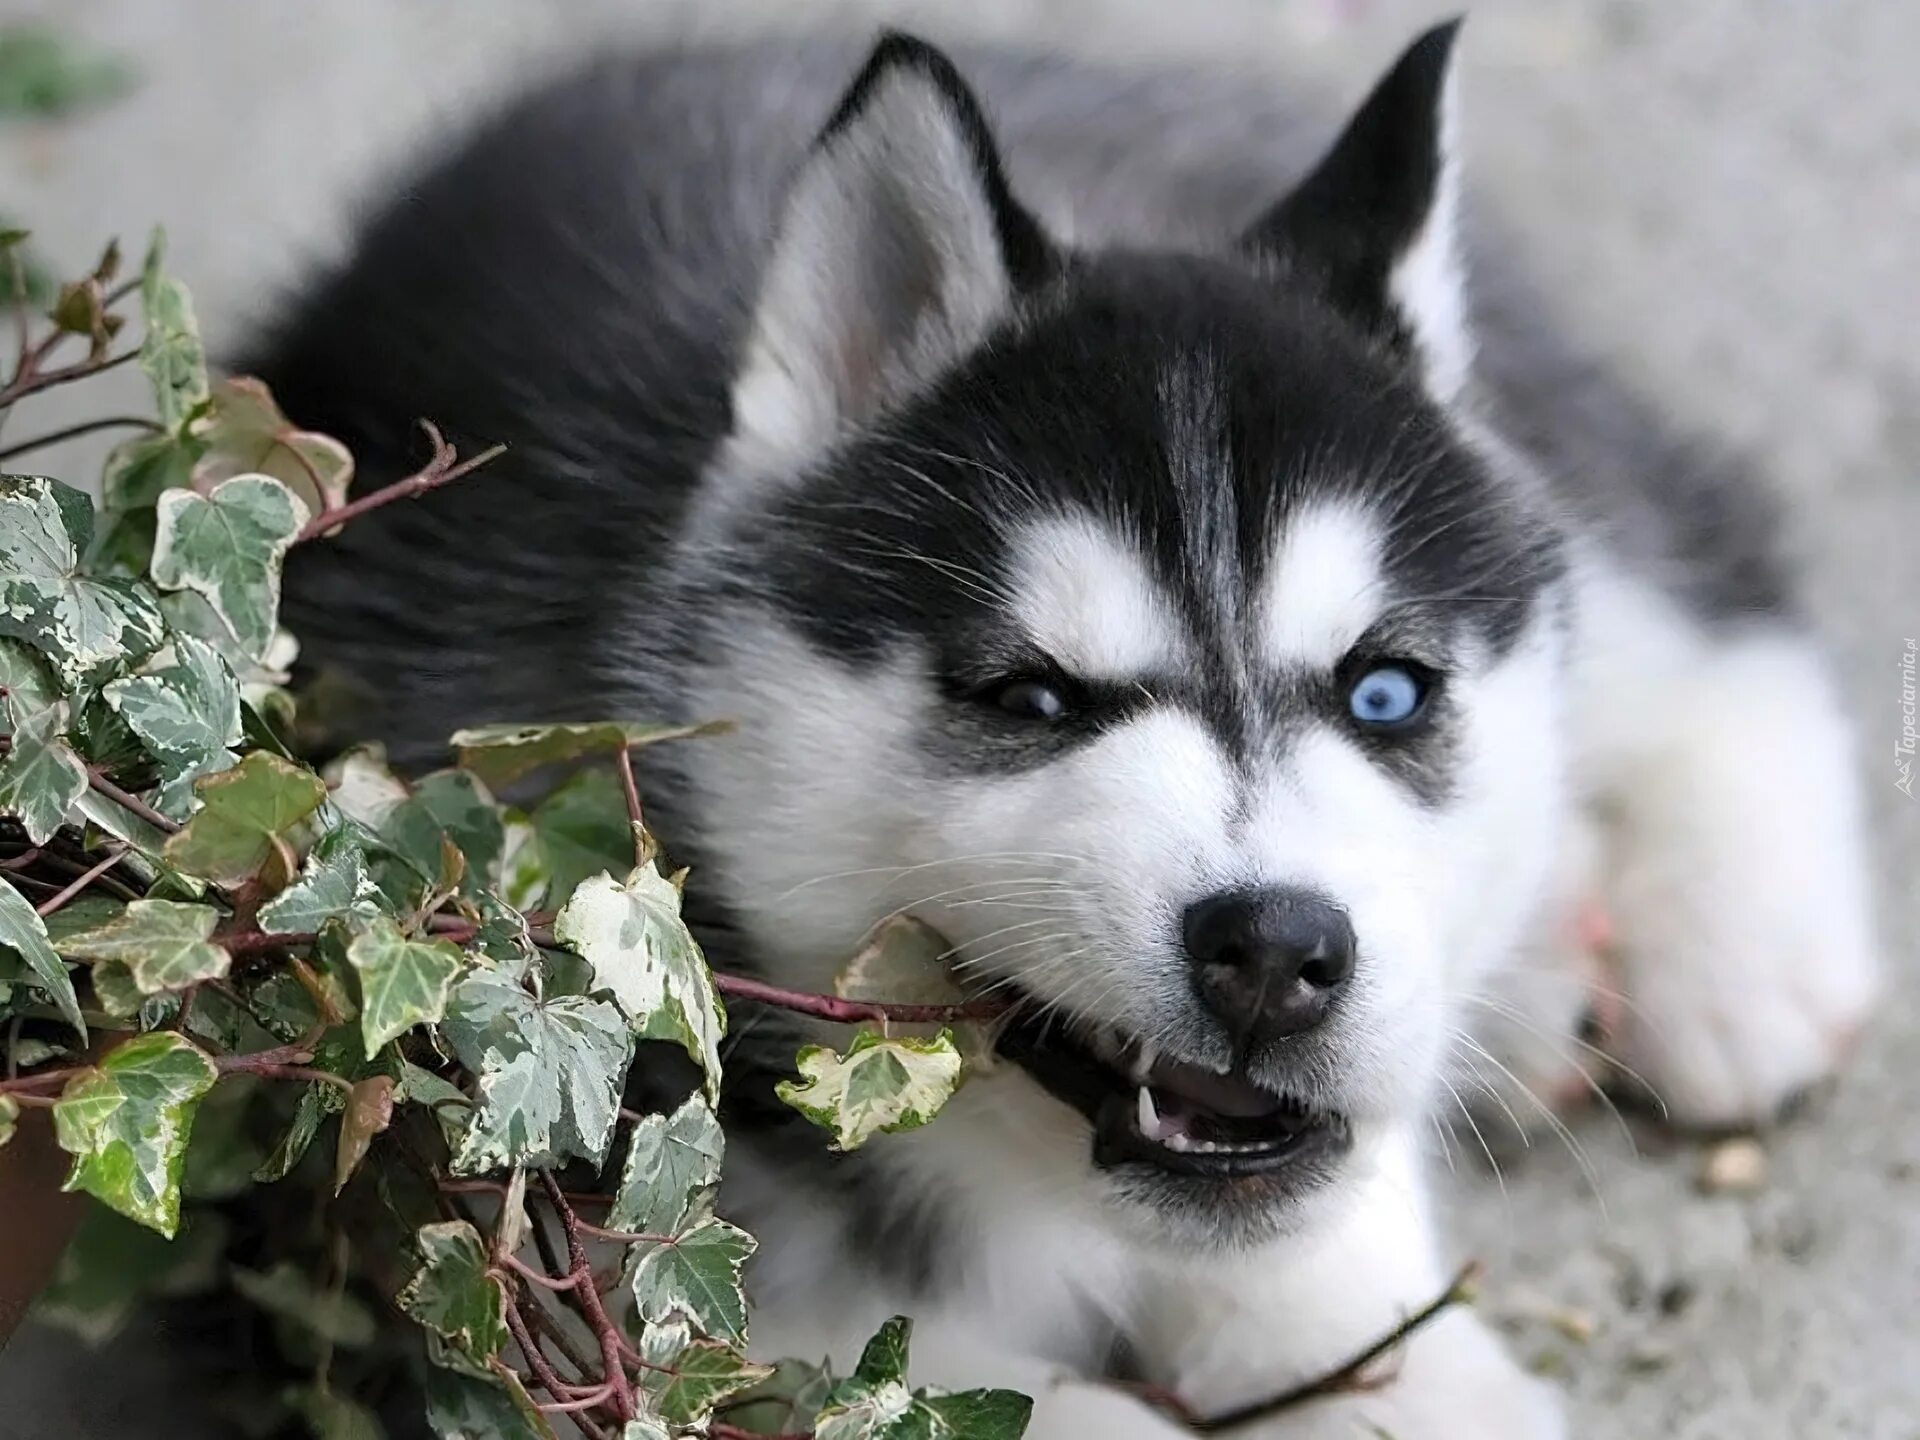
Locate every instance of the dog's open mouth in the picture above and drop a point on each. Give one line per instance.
(1182, 1118)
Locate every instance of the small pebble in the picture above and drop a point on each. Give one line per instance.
(1734, 1167)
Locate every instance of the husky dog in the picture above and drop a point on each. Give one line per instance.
(1129, 544)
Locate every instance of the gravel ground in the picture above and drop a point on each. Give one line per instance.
(1727, 194)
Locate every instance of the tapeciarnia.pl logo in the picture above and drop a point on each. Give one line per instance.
(1903, 748)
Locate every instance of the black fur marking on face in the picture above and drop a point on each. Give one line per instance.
(1189, 408)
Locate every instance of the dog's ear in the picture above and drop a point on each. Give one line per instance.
(900, 246)
(1374, 224)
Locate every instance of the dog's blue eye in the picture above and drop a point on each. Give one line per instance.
(1390, 695)
(1030, 700)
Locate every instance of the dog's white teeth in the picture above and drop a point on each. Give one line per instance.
(1149, 1115)
(1181, 1143)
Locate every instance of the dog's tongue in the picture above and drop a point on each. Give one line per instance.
(1205, 1090)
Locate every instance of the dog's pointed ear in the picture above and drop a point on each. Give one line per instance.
(1374, 223)
(899, 248)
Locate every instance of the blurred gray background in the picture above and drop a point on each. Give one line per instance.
(1726, 197)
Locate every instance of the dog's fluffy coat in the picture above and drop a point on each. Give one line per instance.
(1101, 380)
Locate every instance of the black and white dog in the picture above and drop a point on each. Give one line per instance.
(1132, 546)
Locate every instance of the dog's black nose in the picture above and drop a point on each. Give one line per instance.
(1268, 962)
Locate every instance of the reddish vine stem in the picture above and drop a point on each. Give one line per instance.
(74, 432)
(852, 1012)
(623, 761)
(543, 1369)
(87, 877)
(596, 1315)
(36, 379)
(444, 468)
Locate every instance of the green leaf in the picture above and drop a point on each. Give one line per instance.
(549, 1074)
(453, 1295)
(288, 1292)
(333, 884)
(171, 354)
(113, 1264)
(227, 546)
(245, 815)
(126, 1122)
(46, 73)
(450, 803)
(187, 714)
(332, 1416)
(699, 1376)
(464, 1407)
(645, 1428)
(904, 960)
(880, 1084)
(785, 1402)
(672, 1170)
(449, 1103)
(24, 933)
(643, 955)
(9, 1117)
(87, 628)
(697, 1273)
(875, 1403)
(581, 829)
(403, 983)
(163, 944)
(40, 776)
(245, 433)
(501, 754)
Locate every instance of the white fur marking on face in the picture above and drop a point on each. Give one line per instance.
(1086, 599)
(1324, 588)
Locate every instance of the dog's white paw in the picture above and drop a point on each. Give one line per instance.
(1455, 1380)
(1738, 899)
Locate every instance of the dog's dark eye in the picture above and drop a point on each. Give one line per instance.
(1387, 696)
(1029, 700)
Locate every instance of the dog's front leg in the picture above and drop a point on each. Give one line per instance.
(1241, 1329)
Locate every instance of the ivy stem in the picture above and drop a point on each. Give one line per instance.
(623, 761)
(29, 378)
(73, 432)
(853, 1012)
(529, 1273)
(596, 1314)
(444, 468)
(87, 877)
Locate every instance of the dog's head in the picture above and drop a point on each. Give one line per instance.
(1145, 622)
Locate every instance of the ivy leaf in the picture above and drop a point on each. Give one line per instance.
(227, 546)
(449, 1103)
(549, 1074)
(403, 983)
(696, 1272)
(245, 814)
(501, 754)
(875, 1404)
(580, 830)
(785, 1402)
(171, 354)
(46, 73)
(880, 1084)
(643, 954)
(245, 433)
(698, 1377)
(453, 1295)
(40, 776)
(9, 1117)
(163, 944)
(24, 933)
(126, 1123)
(334, 884)
(289, 1293)
(645, 1428)
(369, 1111)
(86, 627)
(464, 1407)
(330, 1415)
(187, 714)
(453, 804)
(672, 1171)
